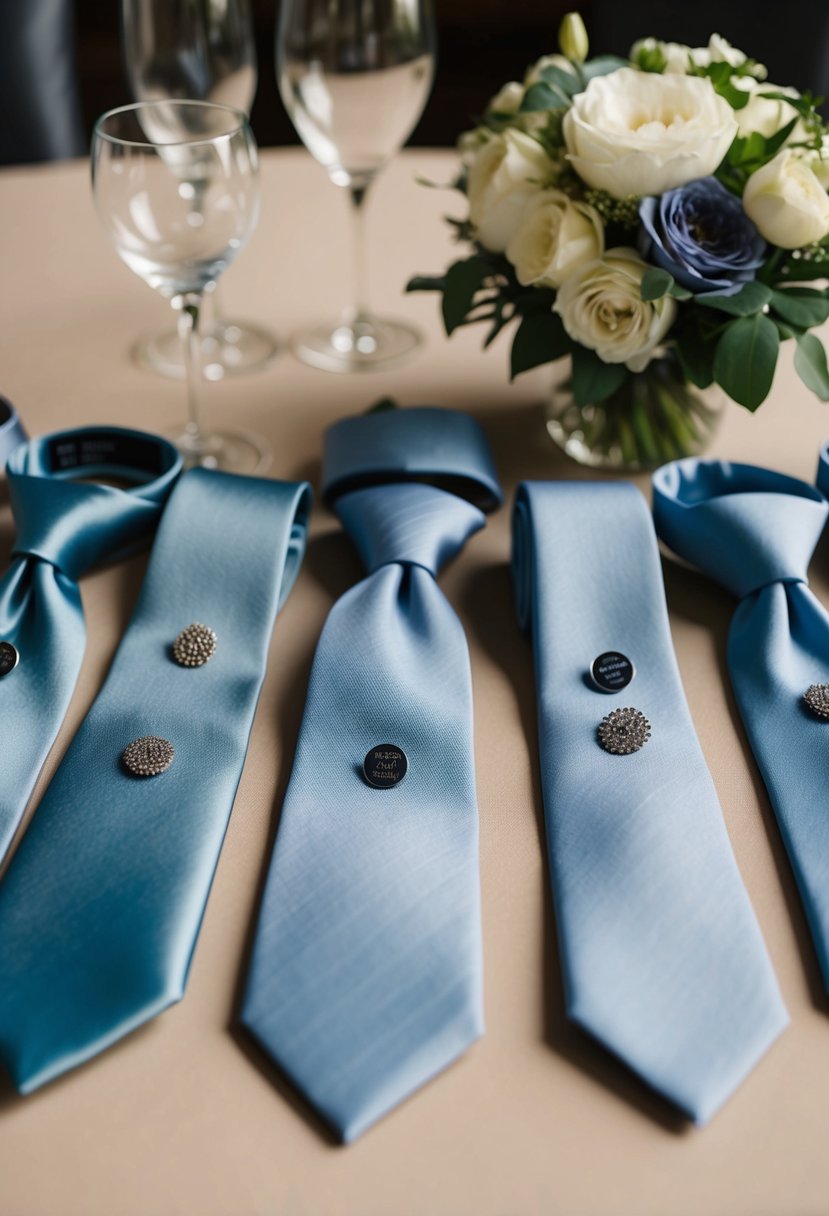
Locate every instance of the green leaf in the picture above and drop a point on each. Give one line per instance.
(543, 96)
(422, 282)
(810, 365)
(657, 283)
(745, 359)
(461, 282)
(801, 306)
(540, 338)
(751, 298)
(602, 65)
(804, 105)
(799, 270)
(775, 142)
(566, 82)
(593, 379)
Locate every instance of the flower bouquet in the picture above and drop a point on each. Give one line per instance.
(659, 221)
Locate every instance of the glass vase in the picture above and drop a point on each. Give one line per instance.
(655, 416)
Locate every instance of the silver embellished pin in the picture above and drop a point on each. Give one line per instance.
(624, 731)
(195, 645)
(148, 756)
(816, 697)
(9, 658)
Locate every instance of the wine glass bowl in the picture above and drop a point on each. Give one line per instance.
(176, 188)
(202, 51)
(354, 76)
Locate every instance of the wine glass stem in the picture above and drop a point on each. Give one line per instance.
(357, 196)
(189, 306)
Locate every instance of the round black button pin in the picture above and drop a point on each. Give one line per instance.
(385, 765)
(612, 671)
(9, 658)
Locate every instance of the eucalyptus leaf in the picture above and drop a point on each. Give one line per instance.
(745, 359)
(566, 82)
(751, 298)
(810, 365)
(543, 96)
(540, 338)
(602, 65)
(593, 379)
(696, 356)
(655, 283)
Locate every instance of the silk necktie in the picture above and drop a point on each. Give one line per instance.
(662, 955)
(366, 971)
(64, 526)
(754, 531)
(101, 905)
(12, 431)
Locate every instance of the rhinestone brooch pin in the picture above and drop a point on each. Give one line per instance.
(624, 731)
(195, 645)
(816, 697)
(148, 756)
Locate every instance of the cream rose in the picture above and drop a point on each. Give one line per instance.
(787, 202)
(601, 307)
(508, 99)
(764, 114)
(554, 237)
(636, 133)
(504, 175)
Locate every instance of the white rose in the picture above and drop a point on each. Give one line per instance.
(507, 171)
(508, 99)
(601, 307)
(787, 202)
(818, 161)
(555, 236)
(720, 50)
(676, 54)
(762, 113)
(642, 133)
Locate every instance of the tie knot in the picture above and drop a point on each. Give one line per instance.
(744, 526)
(410, 523)
(73, 524)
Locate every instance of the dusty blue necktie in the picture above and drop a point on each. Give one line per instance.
(64, 526)
(102, 903)
(366, 971)
(12, 431)
(754, 531)
(662, 955)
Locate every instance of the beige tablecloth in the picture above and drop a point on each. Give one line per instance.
(535, 1120)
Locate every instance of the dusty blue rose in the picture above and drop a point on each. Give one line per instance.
(700, 234)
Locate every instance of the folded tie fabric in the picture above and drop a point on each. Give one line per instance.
(64, 526)
(662, 956)
(365, 979)
(12, 431)
(754, 532)
(101, 905)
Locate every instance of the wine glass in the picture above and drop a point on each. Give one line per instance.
(354, 76)
(203, 50)
(176, 186)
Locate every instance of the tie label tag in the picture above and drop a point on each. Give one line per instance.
(612, 671)
(9, 658)
(385, 765)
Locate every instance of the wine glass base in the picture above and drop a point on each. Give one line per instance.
(228, 451)
(361, 346)
(228, 349)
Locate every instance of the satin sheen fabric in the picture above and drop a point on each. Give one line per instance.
(64, 526)
(754, 531)
(365, 979)
(101, 906)
(662, 956)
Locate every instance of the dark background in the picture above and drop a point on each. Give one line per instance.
(481, 44)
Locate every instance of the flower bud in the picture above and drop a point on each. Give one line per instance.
(572, 38)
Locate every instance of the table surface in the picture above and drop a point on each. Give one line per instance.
(535, 1120)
